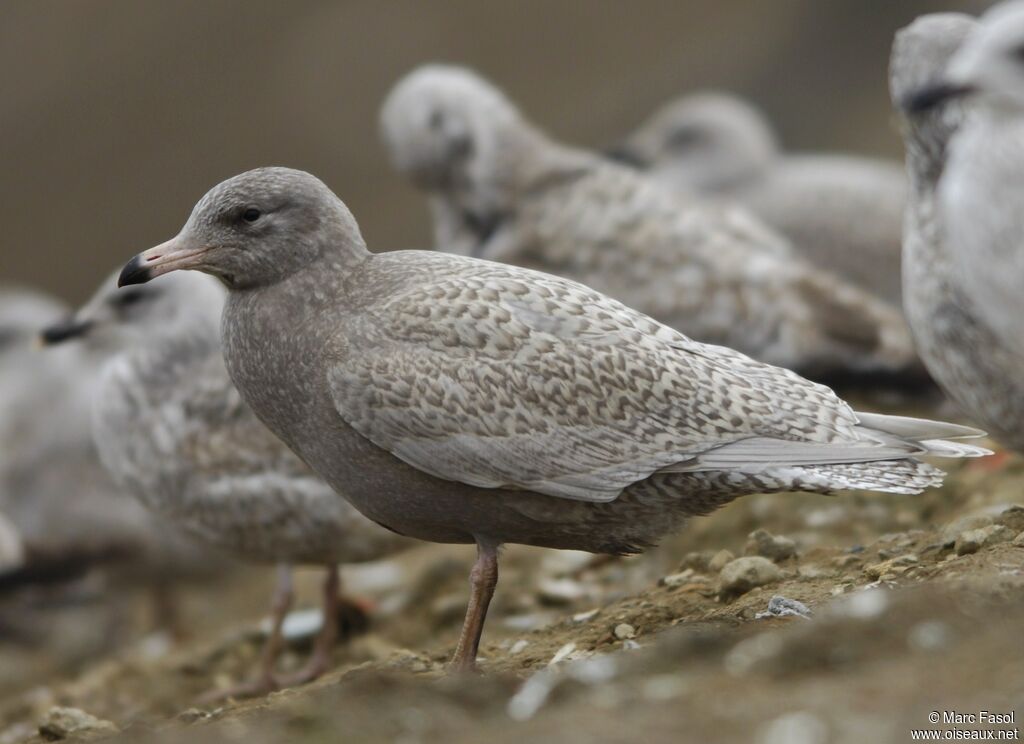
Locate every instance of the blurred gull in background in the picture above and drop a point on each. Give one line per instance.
(502, 190)
(843, 213)
(173, 431)
(981, 192)
(965, 354)
(68, 514)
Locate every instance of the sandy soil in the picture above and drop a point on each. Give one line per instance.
(640, 649)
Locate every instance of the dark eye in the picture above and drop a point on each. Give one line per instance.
(684, 137)
(131, 297)
(251, 214)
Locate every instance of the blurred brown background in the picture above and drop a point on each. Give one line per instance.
(117, 115)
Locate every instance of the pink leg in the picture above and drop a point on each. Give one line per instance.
(284, 596)
(482, 581)
(265, 681)
(320, 661)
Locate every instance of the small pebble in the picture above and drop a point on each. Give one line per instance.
(192, 715)
(624, 631)
(563, 653)
(61, 723)
(779, 606)
(971, 541)
(892, 567)
(773, 547)
(305, 624)
(696, 561)
(560, 591)
(1012, 517)
(518, 646)
(743, 574)
(952, 531)
(845, 561)
(812, 571)
(719, 560)
(526, 621)
(582, 617)
(678, 579)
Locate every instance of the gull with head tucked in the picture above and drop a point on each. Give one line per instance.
(457, 400)
(844, 213)
(501, 189)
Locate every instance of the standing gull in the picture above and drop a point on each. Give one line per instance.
(502, 190)
(173, 431)
(961, 349)
(463, 401)
(68, 515)
(843, 213)
(981, 189)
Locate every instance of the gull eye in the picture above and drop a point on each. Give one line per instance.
(130, 298)
(251, 214)
(684, 137)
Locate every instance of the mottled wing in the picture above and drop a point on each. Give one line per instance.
(500, 377)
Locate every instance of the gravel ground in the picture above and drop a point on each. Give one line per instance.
(784, 618)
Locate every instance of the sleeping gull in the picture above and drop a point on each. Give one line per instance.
(843, 213)
(172, 430)
(502, 190)
(961, 349)
(457, 400)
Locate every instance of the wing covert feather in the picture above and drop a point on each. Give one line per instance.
(506, 378)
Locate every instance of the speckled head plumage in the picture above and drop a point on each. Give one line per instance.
(255, 229)
(920, 53)
(710, 140)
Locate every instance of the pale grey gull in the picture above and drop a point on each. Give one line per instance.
(458, 400)
(172, 430)
(69, 516)
(981, 189)
(961, 349)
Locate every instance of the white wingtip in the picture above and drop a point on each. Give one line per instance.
(916, 429)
